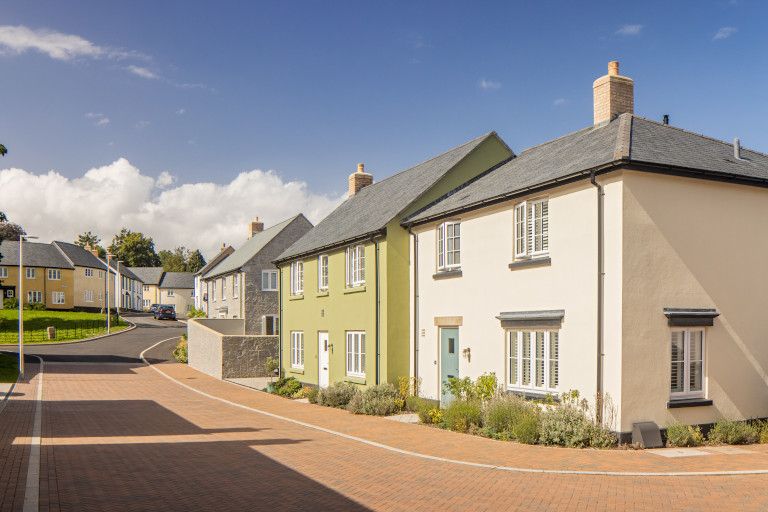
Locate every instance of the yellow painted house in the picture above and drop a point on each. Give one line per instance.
(48, 277)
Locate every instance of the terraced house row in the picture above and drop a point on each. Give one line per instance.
(65, 276)
(625, 259)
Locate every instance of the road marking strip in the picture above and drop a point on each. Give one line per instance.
(32, 492)
(443, 459)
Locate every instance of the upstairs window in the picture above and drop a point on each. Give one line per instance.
(297, 278)
(270, 325)
(146, 288)
(355, 259)
(213, 290)
(448, 246)
(235, 285)
(223, 288)
(54, 275)
(30, 273)
(170, 293)
(322, 272)
(532, 229)
(89, 272)
(3, 272)
(269, 280)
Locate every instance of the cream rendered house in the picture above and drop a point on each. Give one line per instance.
(603, 261)
(90, 281)
(150, 277)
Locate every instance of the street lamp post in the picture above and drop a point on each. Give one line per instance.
(22, 238)
(109, 305)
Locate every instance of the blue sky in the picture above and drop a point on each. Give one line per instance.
(204, 91)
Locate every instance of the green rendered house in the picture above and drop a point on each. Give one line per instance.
(345, 288)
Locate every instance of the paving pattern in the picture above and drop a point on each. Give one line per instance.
(122, 436)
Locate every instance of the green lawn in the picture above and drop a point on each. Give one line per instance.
(69, 325)
(9, 367)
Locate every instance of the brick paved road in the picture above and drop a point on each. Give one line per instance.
(124, 437)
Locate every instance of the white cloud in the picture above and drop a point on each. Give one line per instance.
(142, 72)
(165, 180)
(488, 84)
(102, 121)
(180, 112)
(55, 44)
(142, 124)
(92, 115)
(724, 33)
(559, 102)
(629, 30)
(196, 215)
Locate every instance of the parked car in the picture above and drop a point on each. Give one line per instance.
(165, 312)
(153, 307)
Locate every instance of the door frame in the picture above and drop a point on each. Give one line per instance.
(320, 352)
(440, 357)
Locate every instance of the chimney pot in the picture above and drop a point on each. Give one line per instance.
(360, 168)
(613, 95)
(613, 68)
(666, 118)
(358, 180)
(736, 149)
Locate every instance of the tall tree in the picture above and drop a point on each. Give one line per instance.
(3, 151)
(117, 241)
(195, 261)
(11, 231)
(87, 239)
(134, 249)
(173, 261)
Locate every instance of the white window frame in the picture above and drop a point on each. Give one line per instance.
(297, 278)
(88, 296)
(687, 361)
(213, 290)
(31, 273)
(297, 349)
(89, 272)
(447, 251)
(9, 293)
(355, 264)
(526, 232)
(3, 272)
(170, 293)
(274, 320)
(224, 288)
(269, 280)
(34, 296)
(235, 285)
(146, 287)
(516, 360)
(355, 354)
(322, 272)
(58, 297)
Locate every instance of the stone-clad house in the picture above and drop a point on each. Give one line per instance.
(345, 284)
(201, 297)
(599, 261)
(243, 304)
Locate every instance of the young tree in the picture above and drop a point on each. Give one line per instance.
(134, 249)
(195, 261)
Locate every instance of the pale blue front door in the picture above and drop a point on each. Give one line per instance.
(449, 360)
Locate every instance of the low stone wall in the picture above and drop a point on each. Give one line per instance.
(228, 356)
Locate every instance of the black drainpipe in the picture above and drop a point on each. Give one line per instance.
(280, 325)
(378, 307)
(415, 304)
(600, 293)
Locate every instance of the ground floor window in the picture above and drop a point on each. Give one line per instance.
(356, 353)
(270, 325)
(88, 296)
(34, 296)
(687, 363)
(58, 297)
(532, 360)
(297, 349)
(9, 293)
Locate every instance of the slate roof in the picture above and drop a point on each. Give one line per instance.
(78, 256)
(35, 255)
(216, 260)
(124, 270)
(627, 139)
(248, 250)
(178, 280)
(374, 206)
(148, 275)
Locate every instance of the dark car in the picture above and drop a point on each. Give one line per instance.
(165, 312)
(154, 307)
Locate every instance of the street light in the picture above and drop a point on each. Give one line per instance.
(22, 238)
(109, 306)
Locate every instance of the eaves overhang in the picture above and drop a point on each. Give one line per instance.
(382, 232)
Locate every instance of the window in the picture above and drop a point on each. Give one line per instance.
(3, 272)
(297, 349)
(89, 272)
(687, 363)
(356, 265)
(170, 293)
(34, 296)
(322, 272)
(448, 246)
(297, 278)
(101, 296)
(9, 293)
(145, 302)
(269, 279)
(270, 325)
(356, 354)
(532, 359)
(101, 274)
(88, 296)
(235, 285)
(146, 288)
(223, 288)
(30, 273)
(213, 288)
(532, 228)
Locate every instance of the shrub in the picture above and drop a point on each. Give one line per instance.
(734, 432)
(684, 435)
(303, 392)
(337, 394)
(184, 336)
(33, 306)
(487, 386)
(434, 415)
(526, 428)
(11, 303)
(508, 416)
(460, 389)
(461, 414)
(180, 353)
(381, 400)
(312, 395)
(287, 386)
(571, 424)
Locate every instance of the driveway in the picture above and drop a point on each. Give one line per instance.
(127, 436)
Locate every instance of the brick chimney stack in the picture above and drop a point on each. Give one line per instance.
(359, 179)
(613, 94)
(255, 227)
(92, 250)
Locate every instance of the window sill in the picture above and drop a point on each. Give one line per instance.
(355, 380)
(535, 262)
(299, 371)
(688, 402)
(322, 294)
(354, 289)
(296, 297)
(447, 274)
(530, 394)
